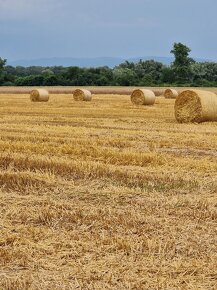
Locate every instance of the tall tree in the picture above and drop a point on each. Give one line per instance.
(182, 63)
(2, 65)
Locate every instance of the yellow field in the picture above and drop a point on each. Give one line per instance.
(93, 89)
(105, 195)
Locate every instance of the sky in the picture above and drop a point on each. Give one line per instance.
(31, 29)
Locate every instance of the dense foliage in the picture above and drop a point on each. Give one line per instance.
(183, 71)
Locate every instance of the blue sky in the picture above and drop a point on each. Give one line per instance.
(118, 28)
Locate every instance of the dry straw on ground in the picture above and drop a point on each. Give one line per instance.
(107, 90)
(196, 106)
(143, 97)
(39, 95)
(82, 95)
(170, 94)
(102, 196)
(111, 91)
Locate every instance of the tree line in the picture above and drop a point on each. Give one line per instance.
(183, 71)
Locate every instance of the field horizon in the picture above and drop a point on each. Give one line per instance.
(123, 90)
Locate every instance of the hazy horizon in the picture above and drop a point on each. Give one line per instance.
(35, 29)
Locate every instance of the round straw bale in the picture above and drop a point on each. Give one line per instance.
(170, 94)
(142, 97)
(82, 95)
(158, 92)
(196, 106)
(39, 95)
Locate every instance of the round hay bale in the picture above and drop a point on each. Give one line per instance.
(82, 95)
(39, 95)
(196, 106)
(170, 94)
(143, 97)
(158, 92)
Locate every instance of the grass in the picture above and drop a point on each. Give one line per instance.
(105, 195)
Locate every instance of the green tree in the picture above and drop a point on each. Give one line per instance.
(204, 73)
(50, 80)
(47, 72)
(124, 76)
(149, 71)
(167, 75)
(182, 63)
(2, 67)
(32, 80)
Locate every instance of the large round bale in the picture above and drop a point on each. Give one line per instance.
(82, 95)
(196, 106)
(143, 97)
(158, 92)
(39, 95)
(171, 94)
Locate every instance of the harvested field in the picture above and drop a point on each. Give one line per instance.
(70, 90)
(105, 195)
(94, 90)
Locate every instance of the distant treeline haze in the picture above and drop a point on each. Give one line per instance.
(183, 71)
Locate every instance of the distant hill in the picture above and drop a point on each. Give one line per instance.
(86, 62)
